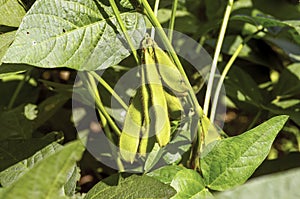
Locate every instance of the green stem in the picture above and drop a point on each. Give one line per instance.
(110, 137)
(216, 56)
(220, 83)
(171, 52)
(156, 5)
(124, 30)
(225, 72)
(199, 146)
(172, 20)
(109, 89)
(254, 120)
(18, 89)
(94, 91)
(175, 58)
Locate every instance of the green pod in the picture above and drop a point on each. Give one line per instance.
(147, 141)
(130, 136)
(169, 73)
(175, 108)
(159, 119)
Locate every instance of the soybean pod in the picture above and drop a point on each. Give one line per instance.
(169, 73)
(159, 119)
(147, 141)
(130, 136)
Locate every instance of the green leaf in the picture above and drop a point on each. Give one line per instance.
(265, 21)
(276, 186)
(274, 26)
(132, 187)
(49, 107)
(165, 174)
(242, 89)
(231, 161)
(71, 184)
(12, 12)
(289, 46)
(289, 81)
(14, 124)
(285, 104)
(13, 173)
(47, 178)
(13, 151)
(293, 112)
(77, 34)
(188, 183)
(279, 9)
(185, 21)
(215, 9)
(5, 40)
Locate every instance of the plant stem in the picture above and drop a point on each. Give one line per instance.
(95, 93)
(172, 20)
(216, 56)
(18, 89)
(175, 58)
(224, 73)
(156, 5)
(199, 146)
(94, 90)
(110, 137)
(171, 52)
(123, 28)
(109, 89)
(219, 86)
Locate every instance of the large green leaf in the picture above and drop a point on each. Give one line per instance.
(276, 186)
(12, 12)
(189, 184)
(132, 187)
(13, 151)
(47, 178)
(231, 161)
(77, 34)
(13, 173)
(165, 174)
